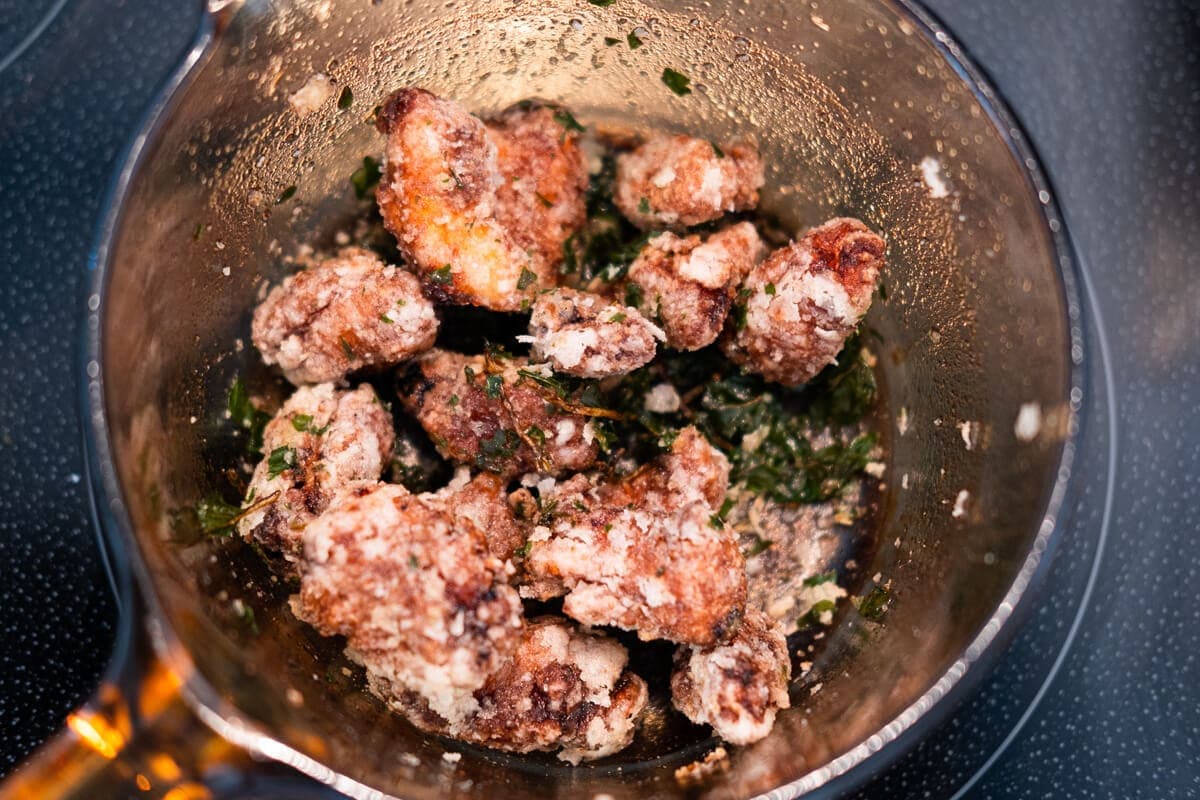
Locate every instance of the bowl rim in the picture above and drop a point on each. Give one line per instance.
(129, 575)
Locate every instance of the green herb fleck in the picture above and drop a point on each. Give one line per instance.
(495, 450)
(634, 41)
(528, 278)
(301, 422)
(453, 400)
(385, 319)
(345, 99)
(492, 386)
(609, 41)
(677, 82)
(567, 120)
(286, 194)
(620, 316)
(633, 295)
(413, 562)
(824, 577)
(281, 459)
(216, 517)
(644, 206)
(769, 289)
(760, 546)
(813, 617)
(523, 550)
(717, 151)
(545, 201)
(199, 230)
(536, 434)
(602, 3)
(365, 178)
(346, 348)
(874, 604)
(246, 416)
(247, 616)
(441, 275)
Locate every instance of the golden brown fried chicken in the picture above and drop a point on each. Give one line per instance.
(676, 181)
(736, 686)
(541, 199)
(584, 334)
(687, 286)
(644, 553)
(477, 236)
(562, 688)
(805, 300)
(321, 442)
(483, 503)
(414, 590)
(503, 422)
(345, 313)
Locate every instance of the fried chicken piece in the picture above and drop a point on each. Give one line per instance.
(541, 200)
(676, 181)
(805, 300)
(321, 442)
(477, 236)
(642, 553)
(562, 689)
(584, 334)
(346, 313)
(483, 502)
(688, 286)
(414, 590)
(504, 422)
(736, 686)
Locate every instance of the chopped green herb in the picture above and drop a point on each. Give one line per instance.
(246, 416)
(346, 348)
(602, 3)
(634, 41)
(536, 434)
(545, 201)
(385, 319)
(717, 151)
(281, 459)
(813, 617)
(620, 316)
(301, 422)
(365, 178)
(769, 289)
(528, 278)
(453, 400)
(817, 580)
(286, 194)
(567, 120)
(760, 546)
(644, 206)
(677, 82)
(199, 230)
(874, 604)
(216, 517)
(715, 521)
(609, 41)
(441, 275)
(345, 99)
(844, 392)
(523, 550)
(413, 562)
(492, 386)
(546, 382)
(495, 450)
(633, 295)
(247, 616)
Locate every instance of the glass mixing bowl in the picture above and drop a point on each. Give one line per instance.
(862, 107)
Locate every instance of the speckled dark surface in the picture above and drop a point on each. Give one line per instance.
(1101, 700)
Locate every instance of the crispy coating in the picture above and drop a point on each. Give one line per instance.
(477, 236)
(562, 688)
(688, 286)
(584, 334)
(642, 553)
(541, 200)
(324, 441)
(503, 423)
(676, 181)
(414, 590)
(805, 299)
(345, 313)
(483, 502)
(736, 686)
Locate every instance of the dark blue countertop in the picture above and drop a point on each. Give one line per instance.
(1098, 697)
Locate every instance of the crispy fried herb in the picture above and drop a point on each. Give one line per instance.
(286, 194)
(345, 99)
(609, 41)
(365, 178)
(441, 275)
(844, 392)
(874, 604)
(281, 459)
(634, 41)
(528, 278)
(492, 386)
(303, 424)
(536, 434)
(813, 617)
(554, 384)
(384, 318)
(602, 3)
(246, 417)
(769, 289)
(677, 82)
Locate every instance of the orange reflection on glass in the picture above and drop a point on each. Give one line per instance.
(97, 733)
